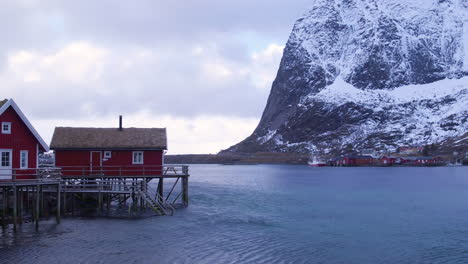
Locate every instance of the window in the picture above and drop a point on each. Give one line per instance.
(6, 159)
(138, 157)
(24, 159)
(107, 154)
(6, 128)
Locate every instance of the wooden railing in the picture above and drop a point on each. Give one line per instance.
(123, 171)
(42, 174)
(54, 173)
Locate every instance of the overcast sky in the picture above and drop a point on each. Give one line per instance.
(201, 68)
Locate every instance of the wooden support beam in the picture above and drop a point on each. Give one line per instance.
(57, 216)
(185, 192)
(172, 189)
(64, 201)
(41, 195)
(21, 199)
(161, 188)
(4, 206)
(37, 207)
(15, 207)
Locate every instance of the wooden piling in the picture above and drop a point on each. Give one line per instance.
(21, 199)
(4, 206)
(58, 205)
(185, 193)
(64, 202)
(37, 207)
(161, 188)
(15, 207)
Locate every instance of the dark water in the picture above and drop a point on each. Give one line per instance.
(276, 214)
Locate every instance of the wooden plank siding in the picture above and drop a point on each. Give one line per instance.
(21, 138)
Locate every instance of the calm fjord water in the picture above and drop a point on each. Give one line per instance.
(276, 214)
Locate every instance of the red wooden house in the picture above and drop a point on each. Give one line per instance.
(109, 151)
(388, 160)
(20, 144)
(352, 160)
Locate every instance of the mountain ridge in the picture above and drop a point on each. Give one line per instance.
(348, 68)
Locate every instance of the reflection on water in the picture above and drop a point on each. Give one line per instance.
(275, 214)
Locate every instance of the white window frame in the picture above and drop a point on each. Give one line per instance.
(107, 154)
(26, 159)
(135, 161)
(9, 128)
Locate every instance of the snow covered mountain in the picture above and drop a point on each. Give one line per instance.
(359, 74)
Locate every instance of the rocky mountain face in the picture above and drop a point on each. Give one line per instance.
(359, 74)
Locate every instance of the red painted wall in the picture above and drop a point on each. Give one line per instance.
(120, 163)
(19, 139)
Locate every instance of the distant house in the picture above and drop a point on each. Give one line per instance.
(20, 144)
(109, 151)
(359, 160)
(421, 161)
(352, 160)
(336, 162)
(388, 160)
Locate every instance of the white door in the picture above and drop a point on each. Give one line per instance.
(5, 164)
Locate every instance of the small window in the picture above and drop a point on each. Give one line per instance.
(6, 128)
(6, 159)
(138, 157)
(107, 154)
(24, 159)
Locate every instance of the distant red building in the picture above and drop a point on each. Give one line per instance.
(20, 144)
(109, 151)
(388, 160)
(356, 160)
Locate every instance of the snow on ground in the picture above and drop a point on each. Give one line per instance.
(424, 113)
(341, 92)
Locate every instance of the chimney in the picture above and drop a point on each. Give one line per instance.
(120, 123)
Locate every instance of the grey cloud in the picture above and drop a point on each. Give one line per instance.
(173, 82)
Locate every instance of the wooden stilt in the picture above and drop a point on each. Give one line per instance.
(100, 202)
(73, 204)
(161, 188)
(185, 194)
(41, 195)
(58, 204)
(64, 202)
(21, 200)
(7, 204)
(37, 209)
(15, 207)
(4, 206)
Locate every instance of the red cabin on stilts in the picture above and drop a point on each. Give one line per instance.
(20, 144)
(107, 152)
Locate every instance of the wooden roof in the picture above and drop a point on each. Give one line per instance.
(76, 138)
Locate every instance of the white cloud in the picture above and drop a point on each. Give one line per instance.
(78, 62)
(265, 65)
(89, 78)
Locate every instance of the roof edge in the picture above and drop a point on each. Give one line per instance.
(111, 149)
(38, 137)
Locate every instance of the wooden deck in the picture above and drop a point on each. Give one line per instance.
(66, 190)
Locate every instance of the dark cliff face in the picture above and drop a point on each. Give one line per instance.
(373, 46)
